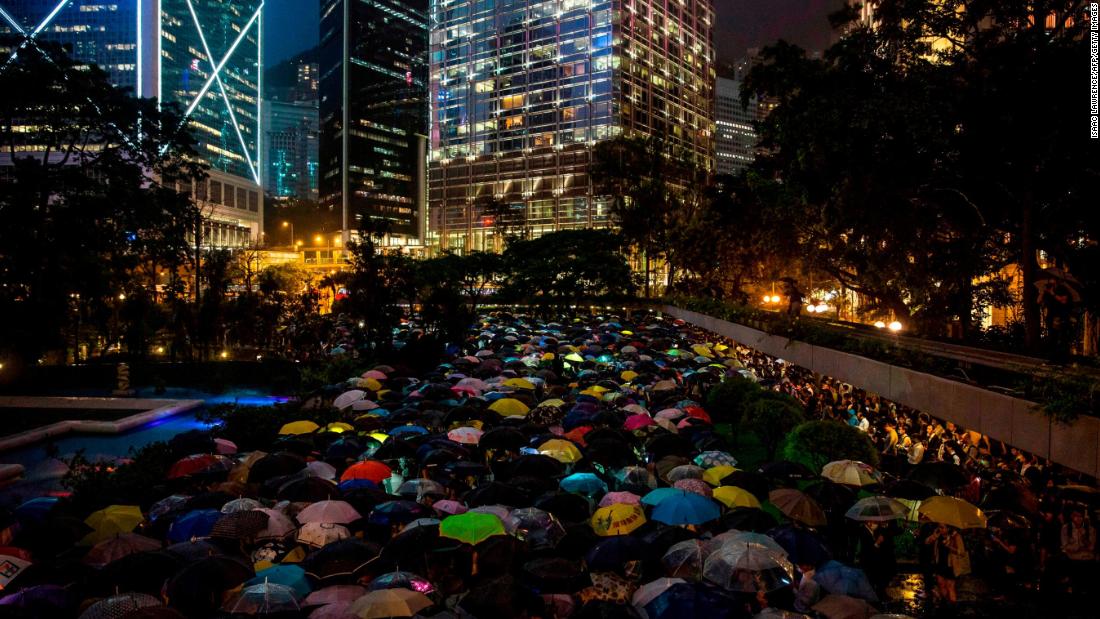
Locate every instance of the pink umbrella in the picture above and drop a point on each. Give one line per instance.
(465, 390)
(335, 594)
(319, 468)
(473, 383)
(669, 413)
(465, 435)
(339, 610)
(448, 506)
(375, 374)
(635, 422)
(225, 447)
(278, 524)
(329, 512)
(697, 486)
(626, 498)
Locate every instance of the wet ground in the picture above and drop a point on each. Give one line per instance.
(910, 594)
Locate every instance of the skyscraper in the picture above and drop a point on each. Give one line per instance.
(735, 133)
(521, 91)
(290, 149)
(202, 55)
(373, 103)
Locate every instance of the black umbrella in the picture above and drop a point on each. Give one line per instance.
(787, 470)
(497, 493)
(195, 550)
(909, 490)
(395, 448)
(831, 496)
(610, 453)
(801, 545)
(755, 483)
(615, 554)
(52, 536)
(748, 519)
(503, 438)
(537, 465)
(398, 512)
(565, 506)
(940, 475)
(192, 442)
(144, 572)
(340, 561)
(197, 589)
(550, 575)
(344, 448)
(242, 525)
(309, 489)
(275, 465)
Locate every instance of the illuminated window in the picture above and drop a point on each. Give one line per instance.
(511, 102)
(513, 122)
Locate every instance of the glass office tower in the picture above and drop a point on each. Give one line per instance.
(521, 90)
(374, 114)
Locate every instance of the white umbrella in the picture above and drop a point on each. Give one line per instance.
(363, 405)
(329, 512)
(319, 468)
(851, 473)
(320, 534)
(348, 398)
(650, 591)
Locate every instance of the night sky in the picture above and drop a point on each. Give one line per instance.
(741, 24)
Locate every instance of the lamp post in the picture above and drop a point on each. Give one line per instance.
(287, 224)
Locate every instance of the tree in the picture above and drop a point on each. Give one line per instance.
(727, 400)
(771, 419)
(90, 204)
(378, 283)
(566, 266)
(817, 443)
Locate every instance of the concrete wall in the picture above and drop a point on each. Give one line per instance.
(1015, 421)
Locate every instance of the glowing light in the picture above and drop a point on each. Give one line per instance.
(894, 326)
(879, 324)
(225, 354)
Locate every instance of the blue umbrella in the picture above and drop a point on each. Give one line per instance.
(692, 600)
(688, 508)
(355, 484)
(289, 575)
(399, 430)
(802, 546)
(615, 553)
(36, 510)
(197, 523)
(398, 512)
(584, 483)
(835, 577)
(654, 497)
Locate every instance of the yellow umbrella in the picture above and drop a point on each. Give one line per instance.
(627, 332)
(339, 426)
(715, 474)
(379, 436)
(628, 375)
(302, 426)
(732, 496)
(721, 347)
(547, 356)
(952, 512)
(371, 384)
(617, 519)
(111, 521)
(574, 357)
(702, 351)
(519, 383)
(561, 450)
(509, 407)
(553, 402)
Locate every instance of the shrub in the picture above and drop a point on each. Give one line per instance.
(257, 427)
(771, 419)
(727, 400)
(816, 443)
(138, 482)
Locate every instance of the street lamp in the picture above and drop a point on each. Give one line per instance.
(287, 224)
(894, 326)
(318, 239)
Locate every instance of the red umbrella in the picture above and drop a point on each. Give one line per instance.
(199, 463)
(371, 470)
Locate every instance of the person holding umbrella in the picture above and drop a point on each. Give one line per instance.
(950, 560)
(1079, 548)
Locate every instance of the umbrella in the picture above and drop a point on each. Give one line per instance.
(199, 464)
(278, 524)
(346, 399)
(851, 473)
(371, 470)
(193, 550)
(39, 600)
(565, 506)
(336, 594)
(198, 588)
(120, 605)
(561, 450)
(471, 528)
(685, 471)
(509, 407)
(690, 600)
(340, 559)
(797, 506)
(748, 568)
(711, 459)
(741, 540)
(732, 496)
(306, 488)
(225, 446)
(274, 465)
(939, 475)
(612, 498)
(539, 528)
(877, 509)
(416, 489)
(909, 489)
(266, 598)
(110, 521)
(10, 567)
(617, 519)
(292, 576)
(240, 505)
(952, 512)
(502, 437)
(835, 606)
(802, 547)
(320, 534)
(397, 512)
(448, 506)
(389, 603)
(303, 426)
(119, 546)
(696, 486)
(614, 554)
(196, 523)
(785, 469)
(584, 483)
(687, 508)
(835, 577)
(331, 512)
(465, 435)
(402, 580)
(537, 465)
(685, 560)
(715, 474)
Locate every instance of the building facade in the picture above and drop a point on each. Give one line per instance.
(735, 132)
(202, 55)
(290, 149)
(373, 115)
(522, 90)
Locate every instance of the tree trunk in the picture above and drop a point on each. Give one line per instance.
(1028, 272)
(645, 258)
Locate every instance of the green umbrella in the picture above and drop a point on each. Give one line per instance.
(471, 528)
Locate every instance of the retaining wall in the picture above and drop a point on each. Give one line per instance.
(1013, 420)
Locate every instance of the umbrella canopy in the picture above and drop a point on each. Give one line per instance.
(584, 483)
(797, 506)
(953, 512)
(561, 450)
(618, 519)
(466, 435)
(748, 568)
(265, 598)
(111, 521)
(801, 546)
(320, 534)
(509, 407)
(371, 470)
(732, 496)
(196, 523)
(198, 464)
(690, 600)
(291, 576)
(687, 508)
(331, 512)
(336, 594)
(471, 528)
(684, 560)
(711, 459)
(402, 580)
(835, 606)
(119, 546)
(612, 498)
(877, 509)
(120, 605)
(389, 603)
(851, 473)
(346, 399)
(303, 426)
(835, 577)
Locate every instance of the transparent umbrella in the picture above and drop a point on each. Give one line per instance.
(685, 560)
(749, 568)
(263, 599)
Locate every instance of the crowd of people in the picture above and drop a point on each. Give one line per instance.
(557, 468)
